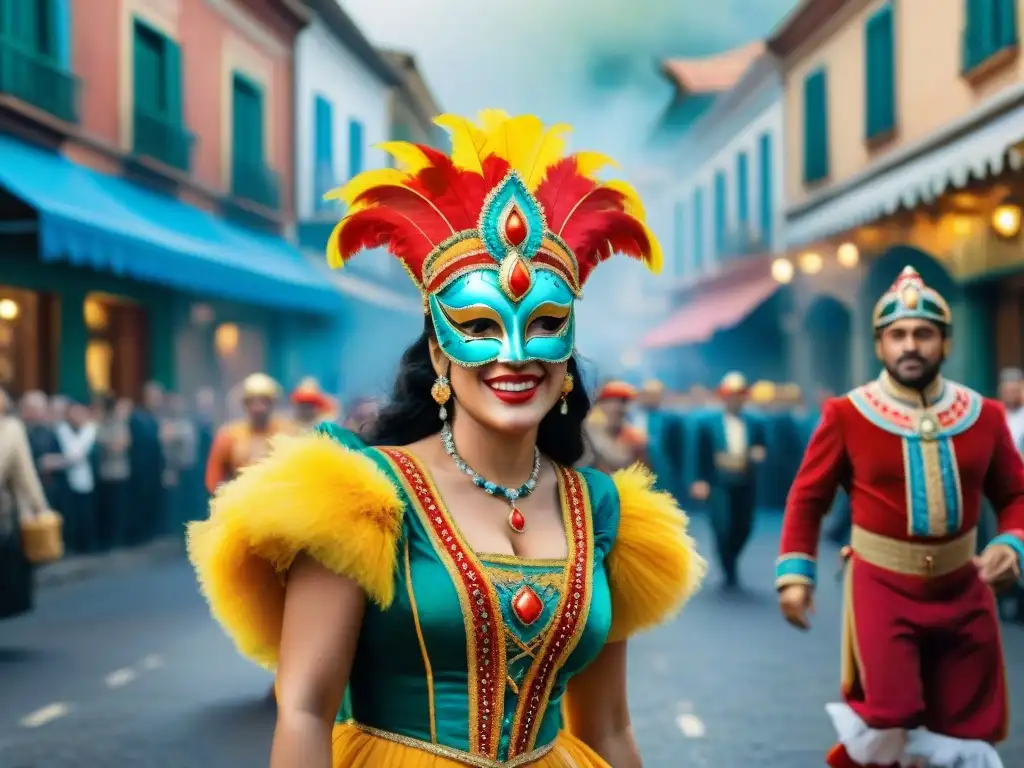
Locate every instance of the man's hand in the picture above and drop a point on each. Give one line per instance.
(758, 453)
(796, 601)
(700, 490)
(998, 566)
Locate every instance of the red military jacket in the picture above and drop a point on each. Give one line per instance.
(912, 473)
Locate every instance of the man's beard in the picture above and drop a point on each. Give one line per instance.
(921, 380)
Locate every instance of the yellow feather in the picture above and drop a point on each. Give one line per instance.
(516, 140)
(367, 180)
(631, 199)
(334, 260)
(548, 152)
(654, 566)
(655, 259)
(589, 163)
(410, 158)
(490, 119)
(467, 141)
(311, 496)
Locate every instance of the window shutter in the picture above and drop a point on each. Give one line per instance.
(142, 61)
(1006, 23)
(985, 20)
(698, 227)
(24, 28)
(720, 213)
(767, 202)
(880, 73)
(742, 189)
(59, 17)
(323, 152)
(355, 148)
(815, 126)
(171, 73)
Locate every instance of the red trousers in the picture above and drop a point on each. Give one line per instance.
(925, 652)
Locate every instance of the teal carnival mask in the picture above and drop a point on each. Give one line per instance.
(500, 236)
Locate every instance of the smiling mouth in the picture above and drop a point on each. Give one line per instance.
(514, 389)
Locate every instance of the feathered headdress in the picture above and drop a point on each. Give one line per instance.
(506, 199)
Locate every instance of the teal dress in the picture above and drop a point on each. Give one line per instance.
(462, 658)
(509, 631)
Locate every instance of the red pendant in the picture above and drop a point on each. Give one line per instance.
(515, 228)
(516, 520)
(527, 606)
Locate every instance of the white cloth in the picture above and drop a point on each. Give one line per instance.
(868, 745)
(735, 435)
(1015, 420)
(76, 447)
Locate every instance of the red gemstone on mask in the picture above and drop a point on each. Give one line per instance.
(515, 228)
(527, 606)
(516, 520)
(519, 279)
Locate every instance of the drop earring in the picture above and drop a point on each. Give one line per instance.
(442, 393)
(567, 386)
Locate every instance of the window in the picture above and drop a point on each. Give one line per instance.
(990, 26)
(764, 156)
(35, 40)
(36, 26)
(816, 127)
(355, 148)
(698, 228)
(323, 152)
(721, 201)
(678, 215)
(879, 74)
(157, 75)
(247, 108)
(158, 131)
(742, 190)
(251, 178)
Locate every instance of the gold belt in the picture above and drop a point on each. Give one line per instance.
(914, 558)
(457, 755)
(731, 462)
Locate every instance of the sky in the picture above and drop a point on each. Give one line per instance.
(590, 63)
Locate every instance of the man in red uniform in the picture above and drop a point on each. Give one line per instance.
(922, 672)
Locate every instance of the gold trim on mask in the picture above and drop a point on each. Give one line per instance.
(459, 245)
(549, 309)
(463, 315)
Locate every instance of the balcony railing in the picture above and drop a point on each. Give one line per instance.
(257, 183)
(38, 81)
(163, 140)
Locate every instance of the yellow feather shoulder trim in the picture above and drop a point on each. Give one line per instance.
(653, 566)
(311, 495)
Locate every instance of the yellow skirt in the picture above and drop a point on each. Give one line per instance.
(356, 747)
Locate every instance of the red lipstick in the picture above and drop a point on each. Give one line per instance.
(514, 388)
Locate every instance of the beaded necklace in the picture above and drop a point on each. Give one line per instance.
(516, 519)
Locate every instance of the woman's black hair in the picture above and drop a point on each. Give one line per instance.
(411, 414)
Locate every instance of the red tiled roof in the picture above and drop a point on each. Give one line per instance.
(712, 74)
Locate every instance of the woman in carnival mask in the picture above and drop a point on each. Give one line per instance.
(466, 584)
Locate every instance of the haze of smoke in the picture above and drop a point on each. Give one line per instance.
(591, 63)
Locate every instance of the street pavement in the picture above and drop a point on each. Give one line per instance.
(126, 670)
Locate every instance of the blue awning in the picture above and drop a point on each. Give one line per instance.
(90, 219)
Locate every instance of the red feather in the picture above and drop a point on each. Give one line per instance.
(495, 169)
(561, 188)
(410, 204)
(377, 227)
(458, 193)
(605, 234)
(600, 200)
